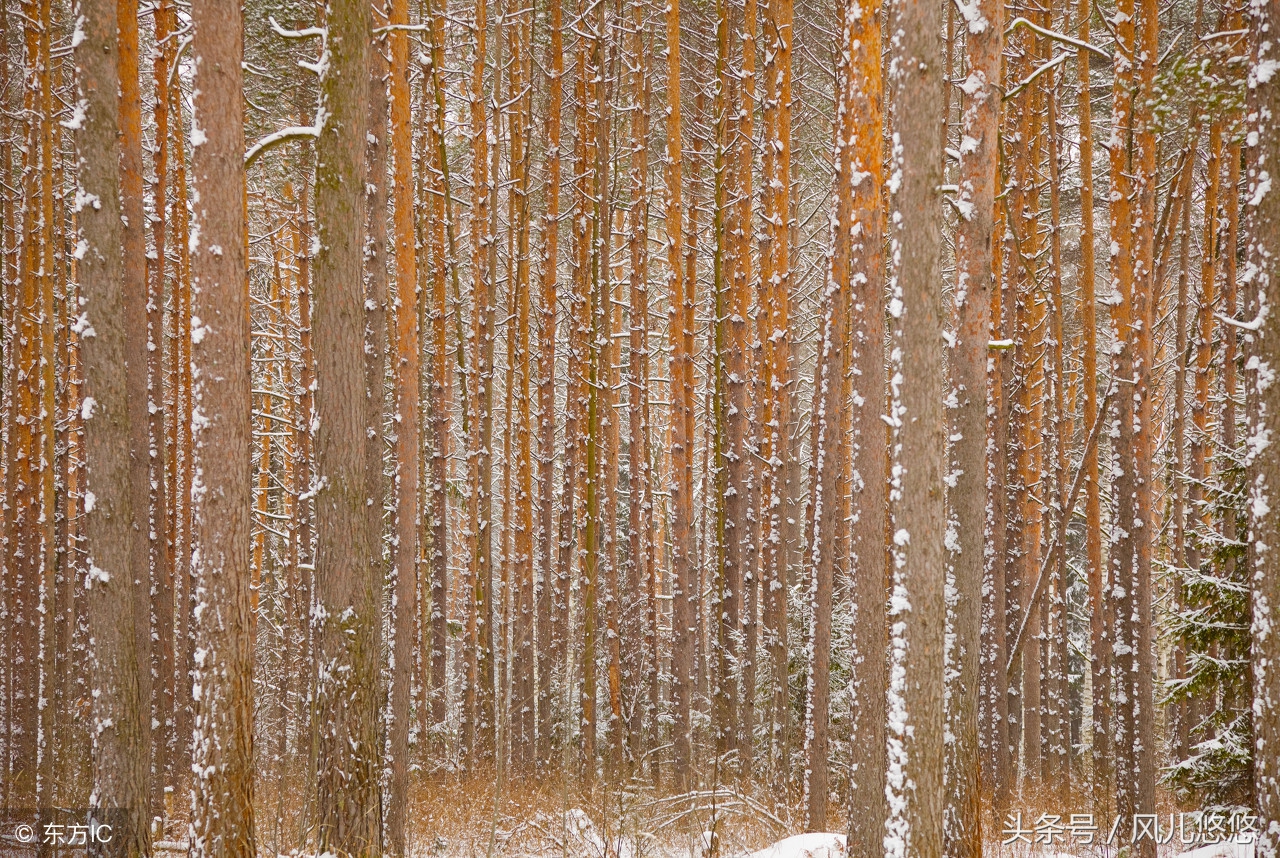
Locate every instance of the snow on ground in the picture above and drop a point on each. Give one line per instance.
(814, 845)
(1226, 849)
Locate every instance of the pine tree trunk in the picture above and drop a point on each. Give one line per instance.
(160, 478)
(478, 714)
(223, 625)
(1264, 522)
(553, 591)
(523, 738)
(641, 662)
(443, 263)
(918, 610)
(406, 371)
(120, 711)
(1099, 654)
(775, 280)
(682, 399)
(134, 246)
(996, 773)
(968, 405)
(348, 609)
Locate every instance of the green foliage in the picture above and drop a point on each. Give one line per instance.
(1213, 630)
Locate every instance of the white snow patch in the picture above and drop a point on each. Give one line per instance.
(817, 844)
(1226, 849)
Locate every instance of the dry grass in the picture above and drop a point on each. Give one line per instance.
(469, 816)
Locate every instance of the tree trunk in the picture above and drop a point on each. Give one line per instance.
(223, 624)
(1099, 654)
(682, 399)
(444, 263)
(553, 588)
(405, 367)
(775, 280)
(918, 610)
(120, 711)
(1264, 522)
(348, 610)
(968, 406)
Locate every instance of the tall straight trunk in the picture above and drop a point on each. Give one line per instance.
(496, 602)
(8, 288)
(642, 662)
(1008, 444)
(377, 335)
(917, 608)
(53, 571)
(775, 287)
(134, 247)
(702, 541)
(682, 401)
(607, 56)
(735, 407)
(750, 448)
(180, 441)
(1198, 520)
(524, 740)
(1180, 711)
(347, 613)
(222, 746)
(1133, 216)
(24, 508)
(1099, 664)
(1142, 693)
(478, 716)
(1121, 559)
(575, 409)
(553, 589)
(1264, 421)
(304, 431)
(1056, 657)
(584, 347)
(996, 774)
(443, 262)
(120, 711)
(160, 478)
(406, 371)
(1025, 239)
(968, 406)
(855, 276)
(1230, 298)
(1201, 438)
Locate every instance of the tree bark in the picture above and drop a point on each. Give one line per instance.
(1264, 522)
(406, 371)
(917, 608)
(348, 610)
(223, 620)
(120, 711)
(682, 398)
(968, 406)
(553, 589)
(775, 280)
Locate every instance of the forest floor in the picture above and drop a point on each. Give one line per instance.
(479, 817)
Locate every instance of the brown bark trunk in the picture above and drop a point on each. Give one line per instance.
(681, 335)
(347, 615)
(406, 372)
(223, 624)
(918, 610)
(553, 592)
(775, 279)
(120, 758)
(1264, 522)
(968, 404)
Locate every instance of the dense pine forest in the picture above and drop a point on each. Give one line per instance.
(622, 428)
